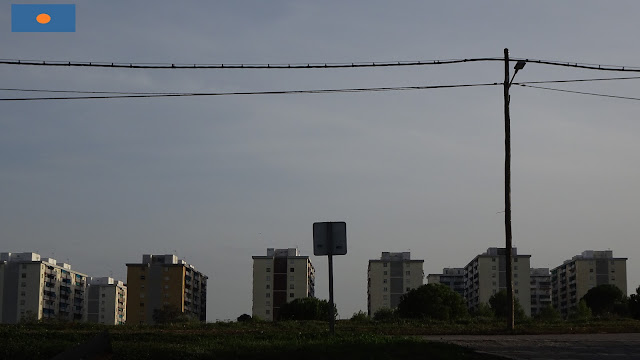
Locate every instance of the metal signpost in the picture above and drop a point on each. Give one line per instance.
(330, 238)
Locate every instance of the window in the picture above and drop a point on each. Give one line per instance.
(407, 272)
(268, 295)
(166, 286)
(515, 283)
(515, 259)
(494, 291)
(102, 295)
(291, 286)
(385, 272)
(24, 267)
(268, 303)
(141, 295)
(291, 269)
(613, 270)
(142, 277)
(515, 291)
(408, 289)
(291, 295)
(23, 293)
(384, 281)
(24, 284)
(268, 286)
(166, 268)
(22, 302)
(267, 312)
(493, 267)
(515, 267)
(515, 275)
(590, 270)
(269, 269)
(24, 275)
(291, 278)
(385, 289)
(494, 283)
(268, 278)
(166, 278)
(384, 264)
(384, 297)
(493, 275)
(493, 259)
(141, 304)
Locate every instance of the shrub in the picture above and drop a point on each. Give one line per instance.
(432, 301)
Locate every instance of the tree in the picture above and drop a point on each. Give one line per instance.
(549, 313)
(385, 314)
(244, 318)
(606, 299)
(634, 304)
(435, 301)
(169, 314)
(582, 312)
(360, 316)
(307, 308)
(499, 305)
(483, 310)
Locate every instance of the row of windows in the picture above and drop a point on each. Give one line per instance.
(268, 295)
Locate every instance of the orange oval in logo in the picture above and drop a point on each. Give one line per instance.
(43, 18)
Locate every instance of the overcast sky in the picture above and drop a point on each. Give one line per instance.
(215, 180)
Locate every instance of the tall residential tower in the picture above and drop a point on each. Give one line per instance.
(281, 276)
(390, 277)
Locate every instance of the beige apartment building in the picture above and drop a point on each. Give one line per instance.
(391, 276)
(35, 288)
(540, 289)
(107, 301)
(486, 275)
(573, 279)
(451, 277)
(281, 276)
(163, 281)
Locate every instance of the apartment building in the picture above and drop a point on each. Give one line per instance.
(35, 288)
(164, 282)
(391, 276)
(281, 276)
(107, 301)
(540, 289)
(573, 279)
(452, 277)
(486, 275)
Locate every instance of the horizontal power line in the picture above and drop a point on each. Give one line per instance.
(183, 92)
(311, 65)
(579, 92)
(283, 92)
(133, 65)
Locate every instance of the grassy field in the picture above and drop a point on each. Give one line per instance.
(223, 340)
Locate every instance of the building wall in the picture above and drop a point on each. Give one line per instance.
(391, 277)
(486, 275)
(107, 302)
(164, 281)
(278, 278)
(574, 278)
(540, 289)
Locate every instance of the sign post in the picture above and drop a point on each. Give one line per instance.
(330, 238)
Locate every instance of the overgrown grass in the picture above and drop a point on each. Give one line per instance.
(263, 340)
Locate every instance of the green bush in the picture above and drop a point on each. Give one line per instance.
(360, 316)
(385, 314)
(432, 301)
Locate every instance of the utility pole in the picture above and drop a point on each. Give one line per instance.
(507, 191)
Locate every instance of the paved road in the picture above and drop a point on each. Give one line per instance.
(561, 347)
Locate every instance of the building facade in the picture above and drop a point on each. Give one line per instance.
(35, 288)
(107, 301)
(281, 276)
(391, 276)
(540, 289)
(574, 278)
(163, 282)
(451, 277)
(486, 275)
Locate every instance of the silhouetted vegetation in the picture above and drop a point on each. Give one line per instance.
(606, 299)
(432, 301)
(306, 309)
(499, 305)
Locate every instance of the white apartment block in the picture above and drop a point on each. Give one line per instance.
(388, 278)
(540, 289)
(281, 276)
(107, 301)
(451, 277)
(574, 278)
(39, 288)
(486, 275)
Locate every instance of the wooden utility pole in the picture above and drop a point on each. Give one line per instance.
(507, 191)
